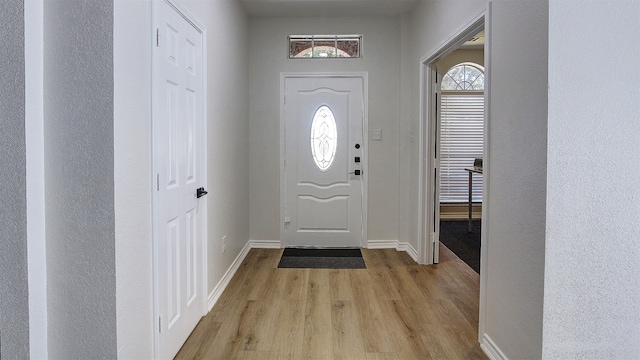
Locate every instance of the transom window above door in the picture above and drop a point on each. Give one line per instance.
(324, 46)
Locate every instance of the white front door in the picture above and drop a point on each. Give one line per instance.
(324, 159)
(178, 164)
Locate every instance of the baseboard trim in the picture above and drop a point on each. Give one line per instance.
(228, 275)
(265, 244)
(226, 278)
(491, 349)
(394, 244)
(382, 244)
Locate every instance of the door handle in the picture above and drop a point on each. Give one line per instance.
(200, 192)
(355, 172)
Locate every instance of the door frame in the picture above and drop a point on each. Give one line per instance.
(427, 189)
(364, 77)
(427, 243)
(182, 11)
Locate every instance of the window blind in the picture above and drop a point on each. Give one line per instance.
(461, 141)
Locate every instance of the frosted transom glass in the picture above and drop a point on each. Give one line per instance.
(324, 138)
(324, 46)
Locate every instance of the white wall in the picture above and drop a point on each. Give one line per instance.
(79, 186)
(407, 138)
(34, 131)
(592, 277)
(381, 59)
(515, 163)
(132, 174)
(228, 156)
(14, 305)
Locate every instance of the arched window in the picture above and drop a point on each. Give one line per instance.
(464, 77)
(461, 131)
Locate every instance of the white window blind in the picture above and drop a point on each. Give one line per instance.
(461, 141)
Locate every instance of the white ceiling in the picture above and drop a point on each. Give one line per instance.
(271, 8)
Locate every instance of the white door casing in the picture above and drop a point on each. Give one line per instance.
(323, 207)
(178, 139)
(437, 95)
(429, 197)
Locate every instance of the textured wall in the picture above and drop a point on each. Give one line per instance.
(78, 125)
(515, 219)
(592, 276)
(14, 310)
(381, 58)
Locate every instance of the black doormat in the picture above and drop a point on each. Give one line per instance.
(456, 237)
(297, 258)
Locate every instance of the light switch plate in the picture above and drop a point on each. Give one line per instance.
(376, 134)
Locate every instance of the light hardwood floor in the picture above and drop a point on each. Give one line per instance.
(395, 309)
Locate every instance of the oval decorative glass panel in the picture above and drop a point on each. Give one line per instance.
(324, 138)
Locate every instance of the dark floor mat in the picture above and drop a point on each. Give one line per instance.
(322, 259)
(455, 235)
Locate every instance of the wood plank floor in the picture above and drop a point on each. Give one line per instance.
(394, 309)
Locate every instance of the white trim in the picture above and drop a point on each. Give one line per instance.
(155, 342)
(422, 242)
(365, 139)
(205, 169)
(217, 291)
(394, 244)
(265, 244)
(182, 11)
(35, 177)
(382, 244)
(490, 348)
(486, 165)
